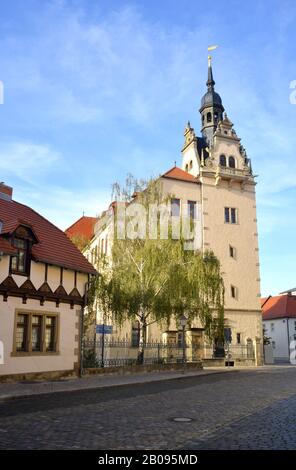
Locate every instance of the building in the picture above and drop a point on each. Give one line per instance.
(279, 323)
(43, 277)
(82, 230)
(215, 174)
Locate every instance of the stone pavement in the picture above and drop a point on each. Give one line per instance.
(244, 409)
(28, 388)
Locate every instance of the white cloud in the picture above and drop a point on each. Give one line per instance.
(63, 206)
(27, 161)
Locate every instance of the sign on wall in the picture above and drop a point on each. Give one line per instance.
(104, 329)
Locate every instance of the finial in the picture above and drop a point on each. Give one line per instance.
(188, 124)
(175, 163)
(210, 82)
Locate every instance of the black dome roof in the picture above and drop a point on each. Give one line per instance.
(211, 98)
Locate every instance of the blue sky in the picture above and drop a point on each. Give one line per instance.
(95, 89)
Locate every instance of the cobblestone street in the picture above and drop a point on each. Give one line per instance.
(245, 409)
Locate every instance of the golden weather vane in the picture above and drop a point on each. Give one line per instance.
(211, 48)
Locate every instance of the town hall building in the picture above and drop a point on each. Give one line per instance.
(216, 174)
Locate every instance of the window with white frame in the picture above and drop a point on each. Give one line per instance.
(230, 215)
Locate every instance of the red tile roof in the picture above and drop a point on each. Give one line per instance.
(83, 227)
(279, 306)
(53, 246)
(5, 247)
(179, 174)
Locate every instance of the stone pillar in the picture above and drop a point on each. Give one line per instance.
(194, 341)
(170, 351)
(259, 361)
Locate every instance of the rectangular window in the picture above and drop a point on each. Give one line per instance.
(19, 262)
(226, 215)
(232, 252)
(36, 333)
(230, 215)
(294, 325)
(272, 326)
(238, 338)
(233, 216)
(191, 209)
(175, 207)
(50, 330)
(21, 332)
(233, 292)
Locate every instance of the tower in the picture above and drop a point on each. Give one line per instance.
(226, 189)
(211, 109)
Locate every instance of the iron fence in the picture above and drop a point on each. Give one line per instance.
(116, 353)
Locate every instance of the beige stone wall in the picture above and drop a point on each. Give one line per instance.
(67, 343)
(243, 271)
(183, 190)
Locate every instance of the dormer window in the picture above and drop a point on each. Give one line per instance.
(22, 239)
(19, 263)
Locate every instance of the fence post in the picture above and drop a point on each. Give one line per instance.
(258, 352)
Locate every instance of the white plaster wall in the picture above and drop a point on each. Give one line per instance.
(279, 335)
(190, 154)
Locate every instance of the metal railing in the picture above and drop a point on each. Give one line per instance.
(119, 353)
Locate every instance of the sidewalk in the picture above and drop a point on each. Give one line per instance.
(26, 389)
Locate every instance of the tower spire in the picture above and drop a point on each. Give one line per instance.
(210, 81)
(211, 109)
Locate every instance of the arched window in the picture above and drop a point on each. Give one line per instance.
(209, 117)
(190, 164)
(186, 167)
(203, 118)
(222, 160)
(231, 162)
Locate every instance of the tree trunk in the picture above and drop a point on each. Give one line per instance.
(143, 339)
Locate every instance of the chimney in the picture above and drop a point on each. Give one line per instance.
(5, 192)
